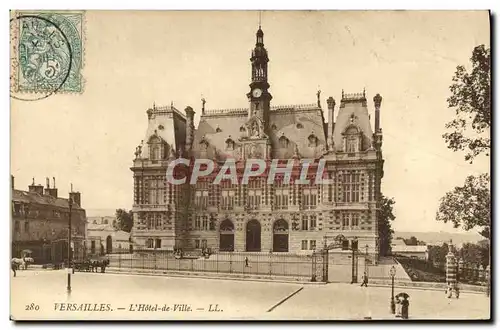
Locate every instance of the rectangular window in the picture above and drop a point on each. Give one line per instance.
(309, 197)
(312, 222)
(281, 198)
(351, 186)
(305, 223)
(227, 202)
(196, 243)
(354, 220)
(345, 245)
(16, 227)
(26, 227)
(197, 222)
(204, 244)
(201, 199)
(204, 224)
(254, 197)
(345, 221)
(158, 243)
(304, 245)
(312, 245)
(92, 247)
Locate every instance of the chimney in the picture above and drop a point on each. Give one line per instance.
(34, 188)
(331, 115)
(377, 99)
(12, 181)
(189, 129)
(76, 197)
(51, 191)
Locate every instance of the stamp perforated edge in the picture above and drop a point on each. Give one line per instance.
(14, 65)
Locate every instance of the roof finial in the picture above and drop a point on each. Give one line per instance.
(71, 188)
(260, 18)
(171, 104)
(33, 181)
(154, 105)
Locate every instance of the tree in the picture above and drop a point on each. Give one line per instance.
(124, 220)
(411, 241)
(471, 99)
(385, 216)
(472, 253)
(437, 254)
(468, 206)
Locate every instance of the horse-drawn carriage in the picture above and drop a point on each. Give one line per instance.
(91, 265)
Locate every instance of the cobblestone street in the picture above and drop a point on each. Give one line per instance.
(42, 294)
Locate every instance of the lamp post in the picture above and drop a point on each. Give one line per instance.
(392, 272)
(366, 259)
(70, 203)
(354, 248)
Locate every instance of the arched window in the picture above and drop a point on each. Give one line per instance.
(156, 148)
(283, 141)
(203, 144)
(313, 141)
(352, 140)
(229, 144)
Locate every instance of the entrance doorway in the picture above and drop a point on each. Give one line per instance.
(253, 236)
(280, 236)
(226, 236)
(109, 244)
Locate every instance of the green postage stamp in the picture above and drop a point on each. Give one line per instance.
(47, 49)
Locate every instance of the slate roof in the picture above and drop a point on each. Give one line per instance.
(216, 127)
(35, 198)
(353, 110)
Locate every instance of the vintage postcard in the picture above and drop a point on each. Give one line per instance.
(250, 165)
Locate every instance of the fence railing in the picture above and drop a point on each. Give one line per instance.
(271, 264)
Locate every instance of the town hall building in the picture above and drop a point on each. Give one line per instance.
(261, 217)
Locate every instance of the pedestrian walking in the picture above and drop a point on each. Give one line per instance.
(457, 291)
(398, 306)
(246, 262)
(449, 290)
(365, 280)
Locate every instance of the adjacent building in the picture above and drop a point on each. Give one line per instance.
(40, 220)
(104, 238)
(261, 217)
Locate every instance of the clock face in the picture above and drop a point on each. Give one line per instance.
(256, 92)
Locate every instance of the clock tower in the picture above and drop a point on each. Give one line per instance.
(259, 96)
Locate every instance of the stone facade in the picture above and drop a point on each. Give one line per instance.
(277, 217)
(40, 224)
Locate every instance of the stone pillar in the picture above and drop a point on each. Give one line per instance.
(377, 99)
(189, 129)
(331, 118)
(451, 268)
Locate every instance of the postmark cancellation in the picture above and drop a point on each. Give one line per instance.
(47, 53)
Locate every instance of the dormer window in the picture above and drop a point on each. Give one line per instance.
(313, 140)
(203, 145)
(156, 148)
(299, 126)
(352, 140)
(230, 144)
(283, 141)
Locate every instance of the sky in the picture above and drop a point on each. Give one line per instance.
(133, 59)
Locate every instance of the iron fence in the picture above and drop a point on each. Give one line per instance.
(304, 267)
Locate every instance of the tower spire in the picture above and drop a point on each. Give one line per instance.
(260, 18)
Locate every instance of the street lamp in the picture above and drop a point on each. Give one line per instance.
(392, 272)
(354, 248)
(70, 203)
